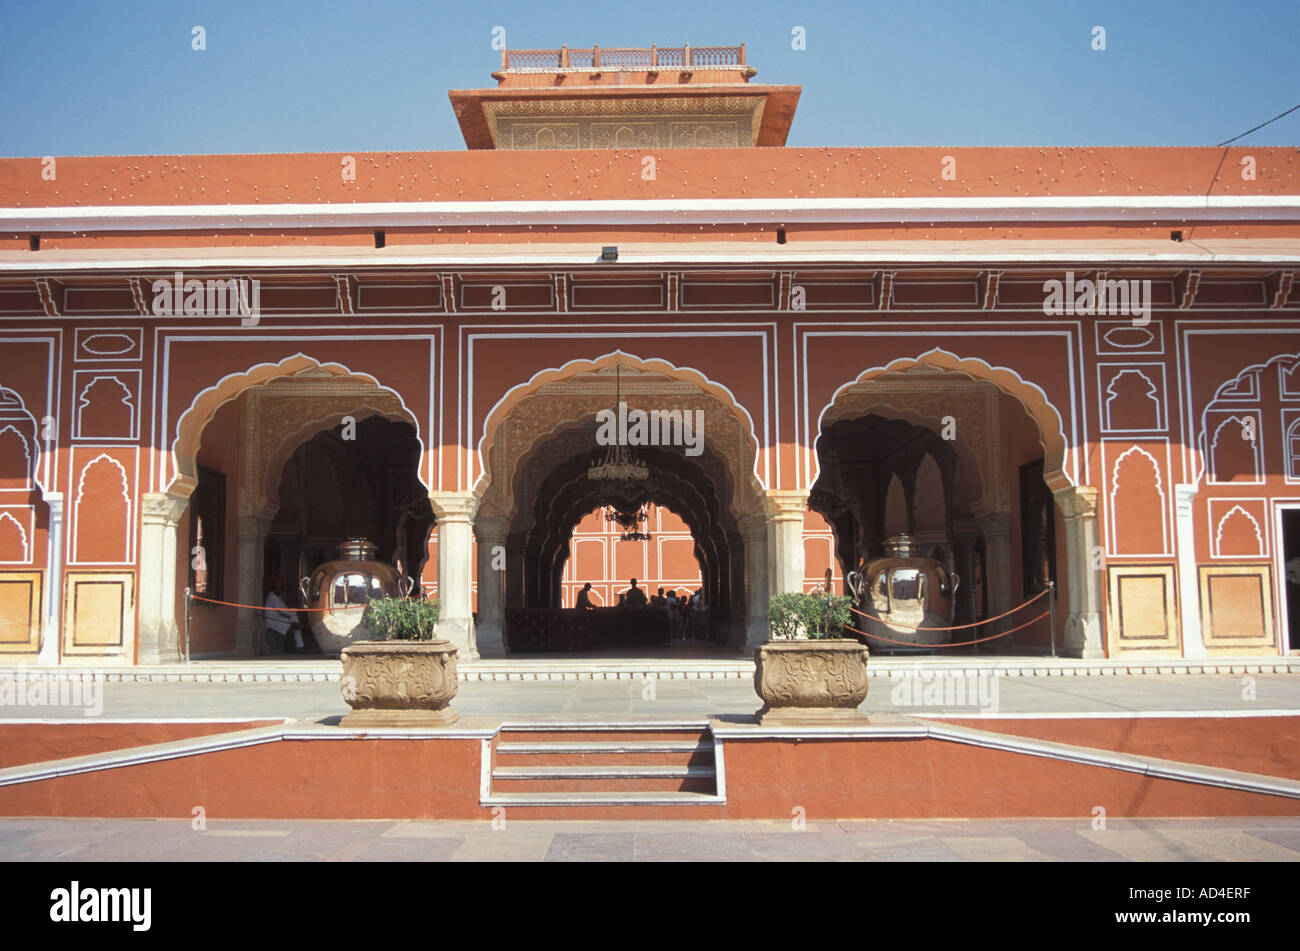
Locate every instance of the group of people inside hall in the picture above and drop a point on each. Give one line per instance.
(685, 614)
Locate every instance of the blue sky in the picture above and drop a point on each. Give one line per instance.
(121, 77)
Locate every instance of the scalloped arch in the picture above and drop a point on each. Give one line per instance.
(741, 473)
(1029, 395)
(190, 425)
(275, 462)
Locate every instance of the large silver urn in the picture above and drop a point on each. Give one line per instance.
(901, 594)
(339, 591)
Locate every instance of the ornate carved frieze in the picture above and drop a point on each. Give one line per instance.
(697, 122)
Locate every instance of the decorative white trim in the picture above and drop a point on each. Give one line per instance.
(1290, 461)
(92, 219)
(1112, 472)
(1104, 389)
(792, 255)
(1237, 416)
(134, 335)
(6, 512)
(1284, 376)
(27, 455)
(132, 401)
(128, 493)
(1154, 345)
(1219, 510)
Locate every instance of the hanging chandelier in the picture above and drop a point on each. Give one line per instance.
(619, 465)
(630, 521)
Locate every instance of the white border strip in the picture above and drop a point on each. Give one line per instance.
(657, 256)
(713, 211)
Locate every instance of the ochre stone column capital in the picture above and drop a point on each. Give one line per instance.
(454, 506)
(1077, 501)
(491, 526)
(785, 505)
(162, 508)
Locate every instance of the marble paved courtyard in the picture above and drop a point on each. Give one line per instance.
(1252, 694)
(521, 840)
(525, 840)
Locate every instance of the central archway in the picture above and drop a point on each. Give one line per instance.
(540, 443)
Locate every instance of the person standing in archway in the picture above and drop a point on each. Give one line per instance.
(283, 631)
(634, 597)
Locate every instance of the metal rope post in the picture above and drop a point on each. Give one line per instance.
(1051, 614)
(188, 595)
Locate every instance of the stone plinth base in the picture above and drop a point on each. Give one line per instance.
(400, 718)
(811, 716)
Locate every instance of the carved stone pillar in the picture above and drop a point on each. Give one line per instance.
(159, 638)
(785, 563)
(252, 548)
(1189, 607)
(52, 609)
(490, 530)
(754, 530)
(1083, 624)
(515, 597)
(739, 608)
(996, 528)
(455, 512)
(965, 533)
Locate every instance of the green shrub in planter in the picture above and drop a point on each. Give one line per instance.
(402, 619)
(793, 615)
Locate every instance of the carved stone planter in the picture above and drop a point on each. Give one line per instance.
(805, 680)
(399, 683)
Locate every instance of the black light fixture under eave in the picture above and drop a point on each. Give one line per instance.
(609, 252)
(780, 235)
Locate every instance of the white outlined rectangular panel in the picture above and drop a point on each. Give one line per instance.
(109, 345)
(106, 405)
(1121, 338)
(17, 534)
(1235, 446)
(1290, 444)
(103, 499)
(1238, 528)
(1132, 397)
(1145, 461)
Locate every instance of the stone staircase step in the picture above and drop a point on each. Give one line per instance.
(602, 736)
(612, 771)
(617, 763)
(609, 746)
(624, 798)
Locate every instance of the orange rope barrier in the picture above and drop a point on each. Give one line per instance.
(959, 627)
(259, 607)
(958, 644)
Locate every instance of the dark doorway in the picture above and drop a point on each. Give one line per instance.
(1037, 529)
(334, 488)
(1291, 574)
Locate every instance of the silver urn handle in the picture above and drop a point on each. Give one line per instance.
(303, 584)
(405, 584)
(953, 582)
(854, 581)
